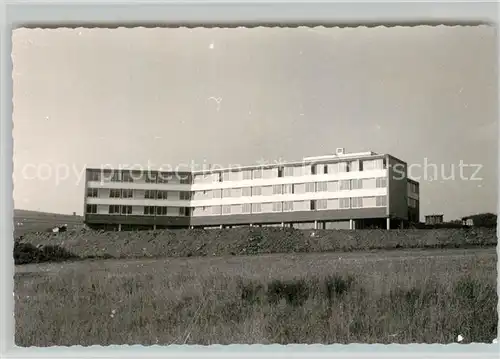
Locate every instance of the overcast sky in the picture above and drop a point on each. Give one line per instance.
(83, 98)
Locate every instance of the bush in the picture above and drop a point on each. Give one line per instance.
(25, 253)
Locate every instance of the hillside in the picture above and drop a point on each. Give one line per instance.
(244, 241)
(33, 221)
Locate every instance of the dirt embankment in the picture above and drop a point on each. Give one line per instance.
(242, 241)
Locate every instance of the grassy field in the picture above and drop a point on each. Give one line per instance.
(33, 221)
(422, 296)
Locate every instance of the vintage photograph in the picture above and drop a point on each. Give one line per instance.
(279, 185)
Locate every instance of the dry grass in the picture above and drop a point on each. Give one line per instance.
(246, 241)
(308, 298)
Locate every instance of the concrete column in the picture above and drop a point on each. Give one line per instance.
(154, 227)
(315, 224)
(221, 226)
(351, 224)
(119, 227)
(402, 224)
(388, 221)
(282, 224)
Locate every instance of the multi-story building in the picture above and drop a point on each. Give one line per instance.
(344, 190)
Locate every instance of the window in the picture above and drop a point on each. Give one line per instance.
(114, 209)
(185, 196)
(114, 193)
(226, 209)
(226, 193)
(92, 208)
(161, 211)
(246, 191)
(325, 169)
(115, 177)
(256, 207)
(247, 208)
(353, 166)
(217, 193)
(126, 210)
(312, 205)
(92, 192)
(381, 201)
(332, 186)
(256, 191)
(150, 177)
(247, 175)
(360, 166)
(321, 204)
(356, 202)
(333, 203)
(95, 176)
(277, 207)
(149, 194)
(216, 210)
(381, 182)
(277, 189)
(184, 211)
(287, 188)
(288, 171)
(345, 185)
(313, 169)
(163, 177)
(161, 194)
(344, 203)
(149, 211)
(127, 177)
(226, 176)
(321, 186)
(236, 192)
(280, 171)
(356, 184)
(333, 168)
(412, 202)
(127, 193)
(287, 206)
(184, 179)
(257, 173)
(311, 187)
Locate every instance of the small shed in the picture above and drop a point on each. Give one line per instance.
(434, 219)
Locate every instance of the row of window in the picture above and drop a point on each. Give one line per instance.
(148, 210)
(321, 204)
(129, 193)
(292, 171)
(298, 188)
(330, 186)
(247, 208)
(128, 176)
(282, 171)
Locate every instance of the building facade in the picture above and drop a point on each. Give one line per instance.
(434, 219)
(344, 190)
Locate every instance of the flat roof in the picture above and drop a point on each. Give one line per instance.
(332, 158)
